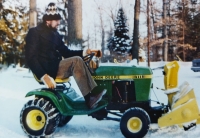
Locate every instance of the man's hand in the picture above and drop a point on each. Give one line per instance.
(88, 51)
(48, 81)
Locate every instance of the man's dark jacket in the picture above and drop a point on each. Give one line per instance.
(44, 50)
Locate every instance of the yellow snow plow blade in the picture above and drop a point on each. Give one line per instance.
(181, 112)
(182, 100)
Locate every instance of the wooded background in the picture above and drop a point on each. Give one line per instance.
(172, 28)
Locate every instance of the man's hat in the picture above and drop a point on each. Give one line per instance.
(51, 13)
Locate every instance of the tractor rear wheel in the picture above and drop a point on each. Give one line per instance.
(39, 118)
(135, 123)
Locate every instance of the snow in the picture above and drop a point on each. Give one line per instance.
(16, 82)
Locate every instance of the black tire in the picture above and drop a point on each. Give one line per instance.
(135, 123)
(39, 118)
(64, 120)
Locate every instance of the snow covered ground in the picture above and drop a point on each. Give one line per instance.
(15, 83)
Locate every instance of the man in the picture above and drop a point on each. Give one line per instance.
(44, 51)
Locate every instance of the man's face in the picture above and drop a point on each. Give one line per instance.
(53, 24)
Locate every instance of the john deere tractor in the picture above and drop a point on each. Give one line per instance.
(127, 98)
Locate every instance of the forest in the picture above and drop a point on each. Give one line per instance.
(147, 30)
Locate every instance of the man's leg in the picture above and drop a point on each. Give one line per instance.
(76, 67)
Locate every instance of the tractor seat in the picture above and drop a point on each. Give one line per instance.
(57, 80)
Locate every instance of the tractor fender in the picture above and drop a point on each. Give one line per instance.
(57, 98)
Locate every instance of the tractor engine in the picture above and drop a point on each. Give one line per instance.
(123, 91)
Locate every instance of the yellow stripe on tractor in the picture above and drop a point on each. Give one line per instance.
(182, 100)
(122, 77)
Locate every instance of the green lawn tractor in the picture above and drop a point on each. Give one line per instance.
(127, 99)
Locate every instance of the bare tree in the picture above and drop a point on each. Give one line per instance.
(102, 29)
(102, 33)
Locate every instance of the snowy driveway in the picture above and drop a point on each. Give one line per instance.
(15, 84)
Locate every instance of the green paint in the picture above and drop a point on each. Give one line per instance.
(142, 77)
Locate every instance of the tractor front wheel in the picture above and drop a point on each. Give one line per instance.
(135, 123)
(39, 118)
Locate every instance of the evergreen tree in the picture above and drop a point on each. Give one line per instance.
(13, 28)
(119, 43)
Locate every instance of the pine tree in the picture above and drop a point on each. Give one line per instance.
(119, 43)
(13, 28)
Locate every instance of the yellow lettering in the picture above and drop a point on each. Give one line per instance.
(98, 77)
(105, 77)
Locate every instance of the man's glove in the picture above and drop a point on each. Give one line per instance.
(98, 53)
(48, 81)
(86, 51)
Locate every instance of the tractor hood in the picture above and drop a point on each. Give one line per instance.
(104, 76)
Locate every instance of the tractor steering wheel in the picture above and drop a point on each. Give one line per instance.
(87, 60)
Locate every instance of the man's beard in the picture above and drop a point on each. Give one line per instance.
(53, 28)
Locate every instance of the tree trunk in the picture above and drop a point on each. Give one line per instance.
(135, 45)
(32, 14)
(148, 33)
(183, 16)
(75, 22)
(165, 44)
(102, 35)
(1, 6)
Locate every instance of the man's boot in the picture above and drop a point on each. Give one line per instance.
(91, 101)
